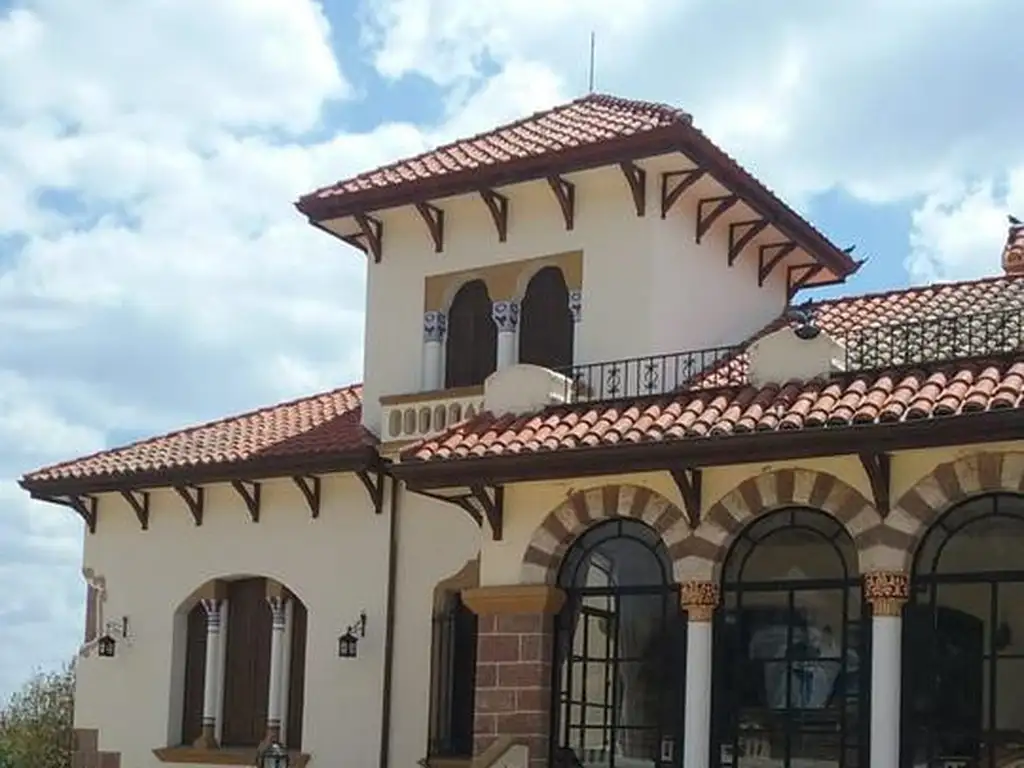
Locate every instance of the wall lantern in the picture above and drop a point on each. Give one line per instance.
(106, 646)
(348, 643)
(272, 756)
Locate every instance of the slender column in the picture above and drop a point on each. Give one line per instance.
(887, 591)
(699, 599)
(576, 308)
(506, 317)
(276, 598)
(208, 737)
(222, 667)
(434, 326)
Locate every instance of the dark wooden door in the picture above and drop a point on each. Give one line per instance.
(195, 675)
(247, 677)
(546, 324)
(471, 353)
(297, 675)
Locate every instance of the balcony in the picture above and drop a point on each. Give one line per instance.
(420, 415)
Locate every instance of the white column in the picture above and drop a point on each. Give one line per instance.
(887, 592)
(208, 737)
(222, 668)
(286, 666)
(434, 326)
(277, 602)
(699, 599)
(576, 308)
(506, 317)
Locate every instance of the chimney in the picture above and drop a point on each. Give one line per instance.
(1013, 251)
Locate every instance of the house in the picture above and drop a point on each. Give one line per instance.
(612, 493)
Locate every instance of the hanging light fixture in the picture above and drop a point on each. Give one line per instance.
(273, 756)
(348, 643)
(106, 646)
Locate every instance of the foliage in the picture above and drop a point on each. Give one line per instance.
(36, 725)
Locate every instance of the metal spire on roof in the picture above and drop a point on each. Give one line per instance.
(590, 82)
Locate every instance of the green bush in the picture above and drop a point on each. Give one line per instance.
(36, 725)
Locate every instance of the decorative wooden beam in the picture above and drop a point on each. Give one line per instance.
(795, 284)
(250, 492)
(737, 244)
(565, 193)
(194, 497)
(719, 205)
(689, 481)
(373, 481)
(482, 502)
(373, 234)
(497, 204)
(766, 264)
(433, 217)
(636, 177)
(310, 487)
(139, 501)
(356, 240)
(87, 507)
(670, 194)
(878, 467)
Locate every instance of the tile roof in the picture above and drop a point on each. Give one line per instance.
(902, 394)
(322, 425)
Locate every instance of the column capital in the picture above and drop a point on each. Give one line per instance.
(887, 591)
(505, 315)
(576, 305)
(699, 599)
(435, 325)
(212, 606)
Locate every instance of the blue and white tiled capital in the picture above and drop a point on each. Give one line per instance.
(506, 315)
(434, 325)
(576, 305)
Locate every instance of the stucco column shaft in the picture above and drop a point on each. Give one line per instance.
(208, 737)
(277, 627)
(434, 326)
(506, 318)
(699, 599)
(887, 592)
(576, 309)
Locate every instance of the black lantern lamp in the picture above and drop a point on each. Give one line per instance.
(272, 756)
(348, 643)
(106, 646)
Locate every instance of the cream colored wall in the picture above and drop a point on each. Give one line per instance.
(647, 286)
(336, 564)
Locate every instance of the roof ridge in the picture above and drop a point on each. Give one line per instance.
(917, 289)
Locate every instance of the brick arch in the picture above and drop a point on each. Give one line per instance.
(564, 524)
(703, 553)
(945, 486)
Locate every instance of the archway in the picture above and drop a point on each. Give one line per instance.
(963, 641)
(620, 647)
(791, 667)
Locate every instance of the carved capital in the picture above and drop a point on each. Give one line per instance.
(887, 591)
(576, 305)
(506, 315)
(277, 605)
(699, 599)
(435, 325)
(212, 607)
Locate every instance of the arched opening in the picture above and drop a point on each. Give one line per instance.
(963, 637)
(471, 348)
(620, 647)
(545, 322)
(791, 667)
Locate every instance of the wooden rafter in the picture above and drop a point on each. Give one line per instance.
(709, 209)
(372, 231)
(86, 506)
(766, 263)
(878, 467)
(565, 194)
(194, 497)
(139, 502)
(309, 485)
(636, 178)
(373, 481)
(250, 491)
(689, 481)
(433, 217)
(481, 502)
(671, 193)
(738, 243)
(497, 204)
(794, 283)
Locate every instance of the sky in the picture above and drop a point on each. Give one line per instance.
(153, 272)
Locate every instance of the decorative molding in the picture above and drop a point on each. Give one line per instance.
(887, 591)
(699, 599)
(435, 325)
(515, 599)
(505, 315)
(576, 305)
(433, 217)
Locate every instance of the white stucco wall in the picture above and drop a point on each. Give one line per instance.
(337, 564)
(648, 287)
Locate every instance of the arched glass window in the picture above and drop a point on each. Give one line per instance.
(791, 662)
(620, 650)
(471, 348)
(963, 641)
(545, 322)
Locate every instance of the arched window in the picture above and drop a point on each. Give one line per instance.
(791, 664)
(244, 682)
(471, 348)
(545, 321)
(963, 669)
(620, 649)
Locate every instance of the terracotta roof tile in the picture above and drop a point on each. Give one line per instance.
(324, 424)
(927, 389)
